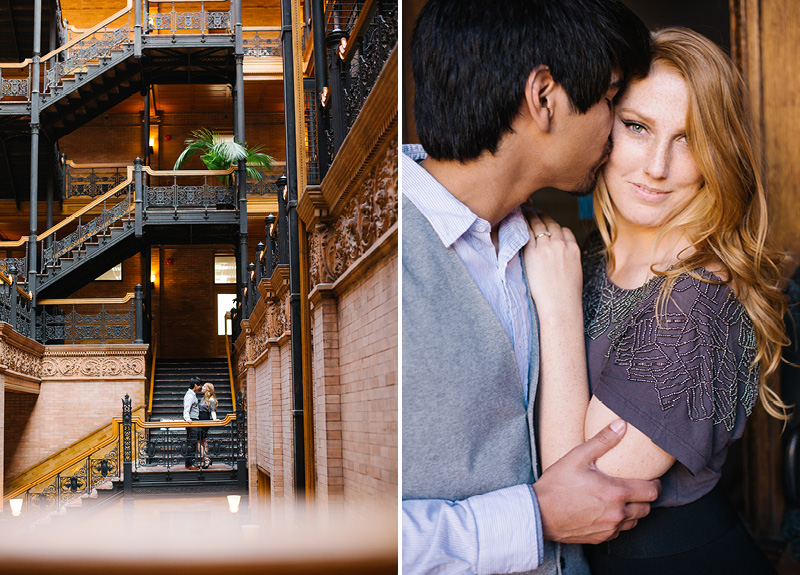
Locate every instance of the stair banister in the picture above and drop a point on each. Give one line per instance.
(89, 32)
(98, 200)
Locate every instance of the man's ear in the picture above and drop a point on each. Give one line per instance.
(539, 96)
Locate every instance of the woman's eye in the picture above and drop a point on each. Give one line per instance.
(634, 127)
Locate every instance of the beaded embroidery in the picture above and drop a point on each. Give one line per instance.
(688, 355)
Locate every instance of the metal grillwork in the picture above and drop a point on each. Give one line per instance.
(99, 227)
(263, 187)
(202, 21)
(69, 326)
(15, 309)
(92, 181)
(14, 87)
(91, 49)
(263, 44)
(312, 161)
(367, 63)
(79, 479)
(204, 196)
(342, 15)
(21, 265)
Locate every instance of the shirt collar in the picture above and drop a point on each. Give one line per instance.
(450, 218)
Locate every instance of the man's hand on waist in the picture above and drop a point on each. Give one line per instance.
(581, 504)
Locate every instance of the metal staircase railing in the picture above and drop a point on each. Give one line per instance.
(52, 249)
(131, 446)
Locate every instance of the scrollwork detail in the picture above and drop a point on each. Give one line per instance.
(366, 217)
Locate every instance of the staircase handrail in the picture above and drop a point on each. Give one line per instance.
(181, 423)
(87, 300)
(89, 32)
(115, 421)
(153, 172)
(90, 205)
(7, 280)
(90, 166)
(14, 243)
(115, 427)
(28, 61)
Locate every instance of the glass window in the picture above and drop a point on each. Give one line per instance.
(112, 275)
(224, 270)
(225, 303)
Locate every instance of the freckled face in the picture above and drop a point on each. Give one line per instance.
(651, 174)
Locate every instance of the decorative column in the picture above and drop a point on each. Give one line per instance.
(298, 427)
(35, 126)
(241, 174)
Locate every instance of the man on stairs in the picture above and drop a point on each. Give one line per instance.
(191, 412)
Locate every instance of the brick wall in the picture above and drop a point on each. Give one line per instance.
(367, 322)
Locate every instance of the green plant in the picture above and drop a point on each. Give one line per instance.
(220, 154)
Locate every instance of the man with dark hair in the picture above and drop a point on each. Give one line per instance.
(511, 97)
(191, 412)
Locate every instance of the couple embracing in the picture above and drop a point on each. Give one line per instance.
(554, 396)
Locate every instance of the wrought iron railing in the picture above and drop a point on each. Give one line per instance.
(78, 478)
(82, 47)
(360, 38)
(15, 303)
(179, 21)
(261, 42)
(342, 15)
(164, 444)
(133, 446)
(99, 320)
(18, 265)
(116, 209)
(174, 196)
(312, 159)
(113, 34)
(91, 180)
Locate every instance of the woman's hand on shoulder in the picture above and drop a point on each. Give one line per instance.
(553, 264)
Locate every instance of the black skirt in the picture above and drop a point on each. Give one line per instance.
(203, 431)
(705, 537)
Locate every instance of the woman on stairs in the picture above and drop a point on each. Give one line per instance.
(208, 411)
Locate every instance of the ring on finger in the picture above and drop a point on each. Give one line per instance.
(537, 236)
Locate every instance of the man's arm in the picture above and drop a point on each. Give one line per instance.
(496, 532)
(502, 531)
(187, 407)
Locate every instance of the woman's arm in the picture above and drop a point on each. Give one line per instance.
(566, 416)
(553, 268)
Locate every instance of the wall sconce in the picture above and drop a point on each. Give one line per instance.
(233, 503)
(153, 277)
(152, 144)
(323, 98)
(16, 506)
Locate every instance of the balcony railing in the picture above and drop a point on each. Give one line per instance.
(91, 320)
(15, 303)
(360, 38)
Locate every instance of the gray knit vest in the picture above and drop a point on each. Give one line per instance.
(466, 427)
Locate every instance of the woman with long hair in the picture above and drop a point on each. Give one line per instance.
(208, 411)
(681, 322)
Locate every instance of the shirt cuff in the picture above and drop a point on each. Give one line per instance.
(509, 530)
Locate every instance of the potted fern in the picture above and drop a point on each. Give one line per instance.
(221, 154)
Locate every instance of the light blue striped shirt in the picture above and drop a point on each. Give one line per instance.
(500, 531)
